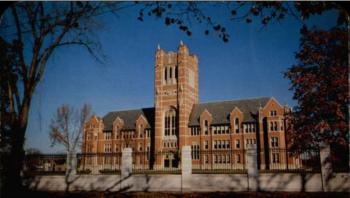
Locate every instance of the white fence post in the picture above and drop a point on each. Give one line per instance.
(186, 167)
(326, 165)
(126, 168)
(252, 167)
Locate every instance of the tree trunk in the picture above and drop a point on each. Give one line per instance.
(13, 164)
(12, 185)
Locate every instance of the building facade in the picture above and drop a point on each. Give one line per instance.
(178, 119)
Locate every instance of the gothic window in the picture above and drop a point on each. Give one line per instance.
(275, 127)
(274, 142)
(271, 126)
(206, 127)
(165, 74)
(170, 123)
(237, 125)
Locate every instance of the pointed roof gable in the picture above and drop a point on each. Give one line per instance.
(220, 111)
(129, 117)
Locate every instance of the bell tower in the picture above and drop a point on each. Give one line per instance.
(176, 90)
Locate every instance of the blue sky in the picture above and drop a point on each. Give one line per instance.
(250, 65)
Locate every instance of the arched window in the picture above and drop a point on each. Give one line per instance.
(271, 126)
(237, 125)
(275, 127)
(170, 123)
(206, 127)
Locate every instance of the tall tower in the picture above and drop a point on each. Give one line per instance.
(176, 90)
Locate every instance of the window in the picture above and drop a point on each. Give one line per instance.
(108, 136)
(281, 124)
(206, 127)
(165, 74)
(171, 73)
(238, 158)
(214, 128)
(273, 113)
(195, 151)
(89, 136)
(227, 144)
(275, 127)
(219, 144)
(274, 142)
(170, 123)
(206, 145)
(215, 144)
(108, 148)
(275, 158)
(237, 144)
(194, 131)
(237, 125)
(271, 126)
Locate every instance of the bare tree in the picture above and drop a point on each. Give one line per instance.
(66, 129)
(31, 32)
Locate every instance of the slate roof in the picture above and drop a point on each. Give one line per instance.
(129, 117)
(221, 110)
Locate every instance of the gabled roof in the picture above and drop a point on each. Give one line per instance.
(129, 117)
(221, 110)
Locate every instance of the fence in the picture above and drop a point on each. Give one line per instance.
(218, 161)
(45, 164)
(283, 160)
(203, 161)
(105, 163)
(159, 162)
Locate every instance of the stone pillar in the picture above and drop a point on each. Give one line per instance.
(71, 163)
(126, 168)
(252, 167)
(186, 161)
(186, 168)
(326, 165)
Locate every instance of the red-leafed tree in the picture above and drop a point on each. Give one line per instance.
(320, 84)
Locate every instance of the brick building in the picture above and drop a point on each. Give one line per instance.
(178, 119)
